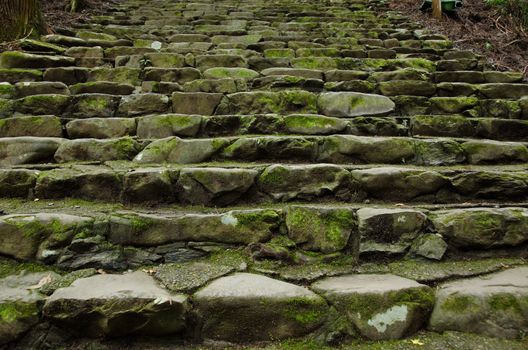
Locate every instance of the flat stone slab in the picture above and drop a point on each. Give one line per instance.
(248, 307)
(379, 306)
(19, 304)
(117, 305)
(494, 305)
(350, 104)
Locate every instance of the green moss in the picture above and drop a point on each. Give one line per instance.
(505, 302)
(126, 147)
(306, 311)
(6, 90)
(314, 63)
(11, 267)
(13, 311)
(139, 224)
(458, 303)
(257, 218)
(279, 53)
(274, 176)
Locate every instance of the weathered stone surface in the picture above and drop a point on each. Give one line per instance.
(493, 305)
(218, 186)
(310, 124)
(287, 182)
(262, 102)
(176, 150)
(176, 75)
(442, 125)
(233, 73)
(488, 151)
(211, 61)
(271, 147)
(350, 104)
(139, 104)
(272, 309)
(389, 230)
(102, 87)
(42, 104)
(379, 306)
(117, 305)
(503, 90)
(483, 227)
(81, 182)
(16, 59)
(122, 75)
(201, 103)
(149, 185)
(26, 150)
(188, 277)
(38, 126)
(398, 183)
(94, 106)
(19, 304)
(233, 227)
(294, 72)
(101, 128)
(491, 184)
(41, 88)
(162, 126)
(430, 246)
(359, 149)
(17, 182)
(407, 87)
(323, 229)
(439, 152)
(124, 148)
(28, 237)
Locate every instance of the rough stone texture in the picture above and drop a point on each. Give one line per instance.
(142, 104)
(27, 150)
(493, 305)
(19, 304)
(350, 104)
(117, 305)
(389, 230)
(323, 229)
(37, 236)
(101, 128)
(398, 183)
(483, 228)
(219, 186)
(379, 306)
(38, 126)
(161, 126)
(239, 227)
(287, 182)
(97, 150)
(431, 246)
(272, 309)
(180, 151)
(195, 102)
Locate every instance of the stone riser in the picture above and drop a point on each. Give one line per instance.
(128, 239)
(211, 186)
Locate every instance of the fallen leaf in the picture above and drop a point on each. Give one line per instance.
(417, 342)
(42, 282)
(101, 272)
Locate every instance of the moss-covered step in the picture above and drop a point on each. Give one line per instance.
(471, 305)
(248, 307)
(16, 59)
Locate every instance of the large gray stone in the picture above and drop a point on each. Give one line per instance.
(351, 104)
(166, 125)
(35, 236)
(233, 227)
(26, 150)
(379, 306)
(180, 151)
(19, 304)
(101, 128)
(494, 305)
(247, 307)
(97, 150)
(323, 229)
(117, 305)
(389, 230)
(483, 227)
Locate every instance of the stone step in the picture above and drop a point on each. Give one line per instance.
(337, 149)
(403, 306)
(87, 236)
(239, 183)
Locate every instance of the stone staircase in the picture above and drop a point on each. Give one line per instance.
(222, 172)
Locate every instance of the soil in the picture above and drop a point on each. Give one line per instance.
(56, 15)
(478, 27)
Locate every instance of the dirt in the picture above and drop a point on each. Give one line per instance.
(57, 16)
(480, 28)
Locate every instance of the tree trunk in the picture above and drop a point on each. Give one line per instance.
(437, 9)
(20, 18)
